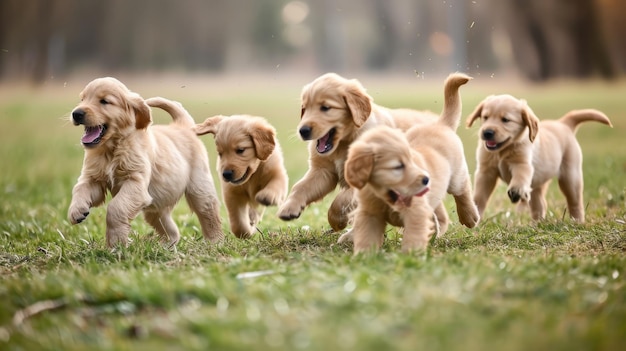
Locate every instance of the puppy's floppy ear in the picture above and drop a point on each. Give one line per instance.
(358, 101)
(263, 139)
(531, 120)
(476, 114)
(209, 125)
(143, 116)
(359, 165)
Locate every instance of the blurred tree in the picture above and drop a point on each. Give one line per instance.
(558, 38)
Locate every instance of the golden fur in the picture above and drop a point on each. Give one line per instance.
(335, 111)
(403, 177)
(251, 167)
(526, 153)
(146, 168)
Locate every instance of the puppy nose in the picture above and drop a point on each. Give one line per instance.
(78, 116)
(489, 134)
(305, 132)
(228, 174)
(425, 180)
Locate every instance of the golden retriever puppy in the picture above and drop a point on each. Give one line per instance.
(251, 165)
(146, 168)
(402, 179)
(335, 111)
(525, 153)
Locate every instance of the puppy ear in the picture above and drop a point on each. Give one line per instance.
(359, 102)
(359, 165)
(208, 126)
(531, 120)
(143, 116)
(476, 114)
(263, 139)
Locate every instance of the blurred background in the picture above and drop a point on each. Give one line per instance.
(537, 40)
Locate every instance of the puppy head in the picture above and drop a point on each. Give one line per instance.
(242, 143)
(383, 160)
(333, 108)
(504, 120)
(109, 111)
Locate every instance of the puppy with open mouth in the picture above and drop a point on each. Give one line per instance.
(335, 112)
(250, 162)
(146, 168)
(526, 154)
(402, 179)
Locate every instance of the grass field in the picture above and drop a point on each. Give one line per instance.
(509, 284)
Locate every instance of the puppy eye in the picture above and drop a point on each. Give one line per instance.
(104, 102)
(240, 151)
(324, 108)
(399, 167)
(505, 120)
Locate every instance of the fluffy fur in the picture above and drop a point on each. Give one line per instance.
(403, 177)
(146, 168)
(525, 153)
(251, 167)
(335, 111)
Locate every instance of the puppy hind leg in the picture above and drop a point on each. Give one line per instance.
(466, 208)
(164, 225)
(206, 206)
(572, 188)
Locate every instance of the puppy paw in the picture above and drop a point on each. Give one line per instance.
(517, 194)
(267, 198)
(469, 217)
(346, 237)
(290, 210)
(77, 214)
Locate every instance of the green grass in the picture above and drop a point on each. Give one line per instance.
(510, 284)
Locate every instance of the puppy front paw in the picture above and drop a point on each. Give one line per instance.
(268, 198)
(77, 214)
(290, 210)
(517, 194)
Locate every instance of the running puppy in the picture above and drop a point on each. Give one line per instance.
(146, 168)
(335, 112)
(251, 165)
(403, 177)
(526, 153)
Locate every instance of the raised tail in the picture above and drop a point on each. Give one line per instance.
(451, 114)
(573, 118)
(174, 108)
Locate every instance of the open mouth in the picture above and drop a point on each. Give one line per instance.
(93, 135)
(494, 145)
(395, 198)
(243, 178)
(325, 143)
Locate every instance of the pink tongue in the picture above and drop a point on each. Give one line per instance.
(91, 134)
(422, 193)
(491, 143)
(321, 143)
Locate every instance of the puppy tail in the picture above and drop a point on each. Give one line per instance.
(174, 108)
(573, 118)
(451, 114)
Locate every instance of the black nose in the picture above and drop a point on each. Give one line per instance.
(489, 134)
(228, 174)
(305, 132)
(78, 116)
(425, 180)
